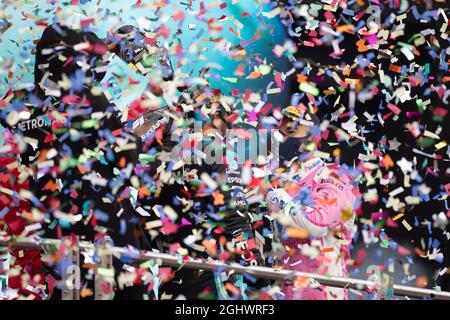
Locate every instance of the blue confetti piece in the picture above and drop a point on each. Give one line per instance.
(435, 244)
(123, 226)
(4, 212)
(100, 215)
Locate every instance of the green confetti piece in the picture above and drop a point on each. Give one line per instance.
(425, 142)
(4, 282)
(379, 224)
(148, 61)
(52, 225)
(69, 163)
(257, 217)
(374, 84)
(232, 80)
(438, 118)
(195, 183)
(153, 19)
(105, 272)
(61, 131)
(90, 153)
(415, 36)
(306, 87)
(406, 45)
(363, 180)
(310, 146)
(207, 296)
(145, 158)
(264, 69)
(85, 124)
(402, 78)
(146, 264)
(419, 103)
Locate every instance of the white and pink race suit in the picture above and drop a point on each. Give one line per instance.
(324, 205)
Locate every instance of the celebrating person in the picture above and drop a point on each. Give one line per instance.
(189, 214)
(80, 155)
(316, 202)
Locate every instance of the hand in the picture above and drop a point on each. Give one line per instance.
(277, 199)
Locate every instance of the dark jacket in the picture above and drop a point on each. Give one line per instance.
(201, 216)
(81, 155)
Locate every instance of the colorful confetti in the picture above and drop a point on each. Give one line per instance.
(301, 135)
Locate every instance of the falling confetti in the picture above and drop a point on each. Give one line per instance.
(110, 112)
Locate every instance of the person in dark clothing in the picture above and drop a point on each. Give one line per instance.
(132, 46)
(188, 214)
(79, 154)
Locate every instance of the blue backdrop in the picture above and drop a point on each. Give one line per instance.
(249, 18)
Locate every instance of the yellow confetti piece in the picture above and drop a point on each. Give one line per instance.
(321, 154)
(406, 225)
(297, 232)
(241, 53)
(132, 66)
(271, 14)
(347, 214)
(440, 145)
(345, 28)
(350, 81)
(105, 272)
(336, 152)
(398, 216)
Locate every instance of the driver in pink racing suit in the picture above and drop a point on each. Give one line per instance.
(317, 207)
